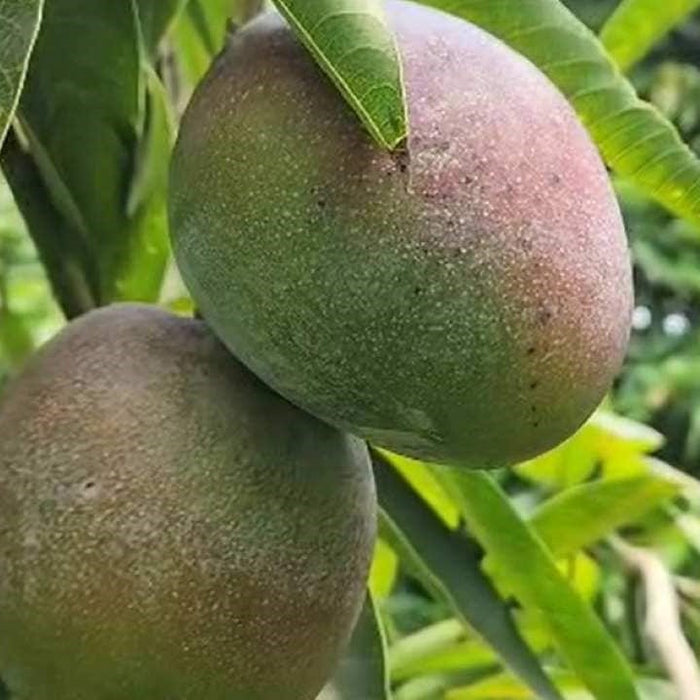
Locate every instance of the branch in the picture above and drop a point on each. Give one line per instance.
(662, 625)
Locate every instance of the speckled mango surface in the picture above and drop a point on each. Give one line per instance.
(172, 529)
(464, 301)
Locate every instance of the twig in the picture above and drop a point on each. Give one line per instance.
(662, 624)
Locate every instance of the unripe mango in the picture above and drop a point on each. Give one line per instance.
(464, 300)
(170, 528)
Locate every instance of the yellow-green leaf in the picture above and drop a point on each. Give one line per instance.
(384, 570)
(535, 580)
(636, 25)
(421, 478)
(581, 515)
(200, 31)
(449, 567)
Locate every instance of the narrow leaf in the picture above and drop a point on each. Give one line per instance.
(421, 478)
(637, 25)
(64, 256)
(581, 515)
(536, 581)
(199, 34)
(19, 25)
(362, 674)
(88, 85)
(503, 688)
(450, 569)
(438, 648)
(352, 43)
(634, 138)
(155, 17)
(468, 656)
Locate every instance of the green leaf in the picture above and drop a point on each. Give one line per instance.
(352, 43)
(362, 672)
(99, 136)
(441, 647)
(446, 564)
(146, 198)
(504, 688)
(200, 31)
(536, 581)
(421, 478)
(19, 25)
(156, 17)
(637, 25)
(16, 342)
(496, 686)
(634, 138)
(65, 256)
(581, 515)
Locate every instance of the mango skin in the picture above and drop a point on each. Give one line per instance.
(466, 301)
(169, 527)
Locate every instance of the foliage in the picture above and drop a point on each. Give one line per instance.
(350, 41)
(484, 587)
(636, 25)
(18, 28)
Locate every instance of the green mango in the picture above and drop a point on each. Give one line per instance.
(169, 527)
(464, 300)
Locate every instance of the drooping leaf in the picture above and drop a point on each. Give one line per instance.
(19, 25)
(634, 138)
(450, 568)
(535, 580)
(97, 132)
(362, 674)
(353, 44)
(581, 515)
(637, 25)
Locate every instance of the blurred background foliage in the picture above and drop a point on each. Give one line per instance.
(569, 497)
